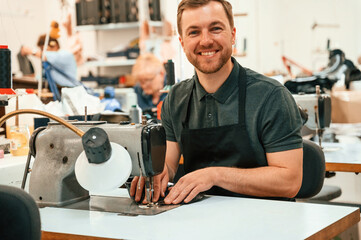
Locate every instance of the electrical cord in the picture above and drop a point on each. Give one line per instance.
(76, 130)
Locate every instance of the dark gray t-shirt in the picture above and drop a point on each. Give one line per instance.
(273, 121)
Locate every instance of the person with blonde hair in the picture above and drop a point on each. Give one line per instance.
(149, 73)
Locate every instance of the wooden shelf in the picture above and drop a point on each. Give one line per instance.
(110, 63)
(156, 23)
(109, 26)
(116, 26)
(244, 14)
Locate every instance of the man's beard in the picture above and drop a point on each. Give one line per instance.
(211, 67)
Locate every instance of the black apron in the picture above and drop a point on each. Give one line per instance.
(227, 146)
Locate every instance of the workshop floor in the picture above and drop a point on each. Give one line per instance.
(351, 193)
(352, 233)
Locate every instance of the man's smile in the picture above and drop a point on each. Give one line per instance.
(209, 53)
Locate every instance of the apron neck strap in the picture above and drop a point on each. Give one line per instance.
(185, 113)
(242, 84)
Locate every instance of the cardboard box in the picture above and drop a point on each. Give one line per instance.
(346, 106)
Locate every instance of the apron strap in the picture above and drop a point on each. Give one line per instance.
(185, 113)
(242, 85)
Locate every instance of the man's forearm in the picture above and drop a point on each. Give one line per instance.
(266, 181)
(172, 158)
(171, 171)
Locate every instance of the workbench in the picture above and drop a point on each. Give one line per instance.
(343, 157)
(212, 218)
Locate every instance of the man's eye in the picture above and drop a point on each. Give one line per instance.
(216, 29)
(192, 33)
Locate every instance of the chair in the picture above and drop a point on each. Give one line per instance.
(19, 215)
(313, 170)
(327, 193)
(25, 65)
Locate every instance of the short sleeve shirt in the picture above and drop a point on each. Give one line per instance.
(272, 119)
(145, 101)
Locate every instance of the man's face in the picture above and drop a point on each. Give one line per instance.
(151, 82)
(207, 37)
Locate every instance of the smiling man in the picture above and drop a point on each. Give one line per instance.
(238, 131)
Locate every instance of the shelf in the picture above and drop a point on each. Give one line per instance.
(156, 24)
(110, 63)
(240, 14)
(109, 26)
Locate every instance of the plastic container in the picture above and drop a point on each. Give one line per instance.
(135, 114)
(19, 136)
(28, 101)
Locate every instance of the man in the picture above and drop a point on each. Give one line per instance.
(149, 72)
(239, 131)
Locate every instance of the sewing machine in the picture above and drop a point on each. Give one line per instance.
(53, 181)
(317, 108)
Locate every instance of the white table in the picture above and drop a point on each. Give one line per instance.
(213, 218)
(12, 170)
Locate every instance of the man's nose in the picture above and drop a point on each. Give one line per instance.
(206, 38)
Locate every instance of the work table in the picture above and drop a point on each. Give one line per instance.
(212, 218)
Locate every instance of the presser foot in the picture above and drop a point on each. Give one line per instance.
(124, 206)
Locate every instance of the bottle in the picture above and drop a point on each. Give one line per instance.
(135, 114)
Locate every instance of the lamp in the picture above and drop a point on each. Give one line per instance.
(102, 166)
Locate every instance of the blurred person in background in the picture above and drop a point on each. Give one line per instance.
(149, 73)
(63, 64)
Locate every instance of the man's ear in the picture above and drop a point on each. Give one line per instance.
(233, 36)
(181, 41)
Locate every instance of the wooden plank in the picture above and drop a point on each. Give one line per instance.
(61, 236)
(338, 227)
(343, 167)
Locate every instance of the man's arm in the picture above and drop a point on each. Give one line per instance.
(172, 157)
(281, 178)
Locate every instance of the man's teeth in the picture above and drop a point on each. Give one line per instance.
(207, 53)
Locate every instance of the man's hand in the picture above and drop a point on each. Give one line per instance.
(190, 185)
(25, 51)
(160, 186)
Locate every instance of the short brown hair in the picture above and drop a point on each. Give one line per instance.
(52, 41)
(186, 4)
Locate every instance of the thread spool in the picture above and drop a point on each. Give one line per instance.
(5, 67)
(169, 68)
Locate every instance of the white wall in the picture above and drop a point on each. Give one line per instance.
(286, 28)
(281, 27)
(21, 22)
(272, 28)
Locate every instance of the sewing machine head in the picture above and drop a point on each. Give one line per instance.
(53, 181)
(317, 107)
